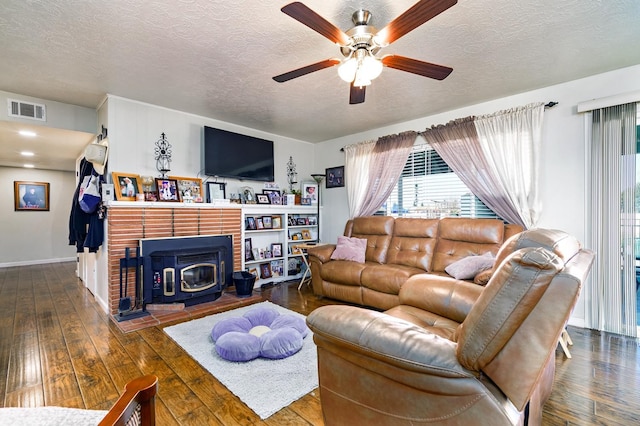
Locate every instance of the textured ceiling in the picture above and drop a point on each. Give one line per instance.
(216, 58)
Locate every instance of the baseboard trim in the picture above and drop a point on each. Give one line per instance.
(37, 262)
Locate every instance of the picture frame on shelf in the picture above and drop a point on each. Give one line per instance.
(309, 190)
(250, 223)
(254, 271)
(263, 199)
(306, 234)
(297, 236)
(276, 222)
(274, 196)
(256, 253)
(190, 189)
(267, 222)
(292, 221)
(301, 221)
(312, 220)
(259, 223)
(293, 266)
(30, 196)
(277, 269)
(306, 201)
(167, 190)
(265, 270)
(248, 252)
(267, 253)
(276, 249)
(335, 177)
(127, 186)
(216, 191)
(296, 250)
(247, 195)
(261, 253)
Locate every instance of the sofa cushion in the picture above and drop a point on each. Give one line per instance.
(342, 272)
(350, 248)
(387, 278)
(461, 237)
(443, 327)
(441, 295)
(413, 242)
(377, 230)
(468, 267)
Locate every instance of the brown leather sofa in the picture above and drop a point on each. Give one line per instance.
(397, 249)
(448, 356)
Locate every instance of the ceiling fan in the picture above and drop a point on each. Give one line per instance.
(360, 45)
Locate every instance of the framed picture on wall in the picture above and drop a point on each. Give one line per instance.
(127, 186)
(31, 196)
(335, 177)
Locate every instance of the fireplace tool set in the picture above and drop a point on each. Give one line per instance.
(125, 309)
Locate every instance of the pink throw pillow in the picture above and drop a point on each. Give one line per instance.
(350, 248)
(468, 267)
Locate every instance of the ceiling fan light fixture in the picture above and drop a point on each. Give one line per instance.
(371, 67)
(360, 68)
(347, 69)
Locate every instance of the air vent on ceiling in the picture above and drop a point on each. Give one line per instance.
(29, 110)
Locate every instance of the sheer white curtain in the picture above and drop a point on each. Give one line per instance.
(611, 290)
(511, 142)
(458, 145)
(375, 171)
(358, 159)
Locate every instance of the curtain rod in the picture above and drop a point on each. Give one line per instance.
(549, 104)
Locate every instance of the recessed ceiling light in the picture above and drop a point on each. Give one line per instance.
(27, 133)
(29, 166)
(27, 153)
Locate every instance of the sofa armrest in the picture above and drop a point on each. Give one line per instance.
(388, 339)
(322, 252)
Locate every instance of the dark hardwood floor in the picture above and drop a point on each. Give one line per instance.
(57, 347)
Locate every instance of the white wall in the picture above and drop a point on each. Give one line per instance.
(40, 237)
(31, 237)
(59, 115)
(134, 127)
(563, 169)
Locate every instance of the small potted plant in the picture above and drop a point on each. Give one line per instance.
(298, 195)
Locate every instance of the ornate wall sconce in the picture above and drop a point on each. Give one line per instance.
(163, 155)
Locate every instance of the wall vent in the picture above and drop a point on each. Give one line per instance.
(28, 110)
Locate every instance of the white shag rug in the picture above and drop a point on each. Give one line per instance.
(265, 385)
(50, 416)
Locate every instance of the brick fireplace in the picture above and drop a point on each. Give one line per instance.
(128, 223)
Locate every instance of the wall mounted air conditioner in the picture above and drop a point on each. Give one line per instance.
(30, 110)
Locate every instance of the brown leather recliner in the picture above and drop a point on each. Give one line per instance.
(411, 365)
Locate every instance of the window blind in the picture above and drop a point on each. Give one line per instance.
(428, 188)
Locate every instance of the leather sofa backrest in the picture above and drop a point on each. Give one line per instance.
(413, 242)
(377, 230)
(559, 242)
(514, 326)
(461, 237)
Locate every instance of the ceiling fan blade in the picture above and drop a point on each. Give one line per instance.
(311, 19)
(306, 70)
(425, 69)
(415, 16)
(356, 94)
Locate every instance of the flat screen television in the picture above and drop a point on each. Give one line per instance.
(232, 155)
